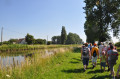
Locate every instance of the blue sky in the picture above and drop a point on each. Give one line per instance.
(41, 18)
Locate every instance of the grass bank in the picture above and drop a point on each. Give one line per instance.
(19, 47)
(66, 65)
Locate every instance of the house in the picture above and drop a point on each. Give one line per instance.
(22, 41)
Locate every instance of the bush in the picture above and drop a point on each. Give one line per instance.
(49, 42)
(117, 44)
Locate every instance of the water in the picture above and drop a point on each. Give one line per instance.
(10, 60)
(16, 59)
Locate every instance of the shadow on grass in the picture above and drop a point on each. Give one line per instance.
(90, 61)
(77, 59)
(74, 62)
(74, 71)
(89, 68)
(95, 71)
(98, 63)
(101, 77)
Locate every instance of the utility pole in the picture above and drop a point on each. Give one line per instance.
(1, 35)
(47, 40)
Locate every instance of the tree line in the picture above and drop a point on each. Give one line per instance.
(71, 38)
(29, 39)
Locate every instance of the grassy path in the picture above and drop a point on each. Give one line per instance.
(70, 66)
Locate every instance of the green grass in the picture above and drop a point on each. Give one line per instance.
(60, 66)
(70, 67)
(19, 47)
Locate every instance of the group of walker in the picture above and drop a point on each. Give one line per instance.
(108, 56)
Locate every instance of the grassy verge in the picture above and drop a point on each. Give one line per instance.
(60, 66)
(19, 47)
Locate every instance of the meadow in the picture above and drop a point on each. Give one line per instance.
(67, 65)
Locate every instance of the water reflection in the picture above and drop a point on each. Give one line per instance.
(16, 59)
(11, 60)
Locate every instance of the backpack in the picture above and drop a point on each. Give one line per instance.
(85, 53)
(94, 53)
(113, 57)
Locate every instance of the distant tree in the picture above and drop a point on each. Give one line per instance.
(49, 42)
(56, 40)
(29, 39)
(63, 35)
(6, 42)
(11, 41)
(73, 38)
(40, 41)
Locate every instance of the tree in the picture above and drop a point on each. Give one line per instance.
(73, 38)
(40, 41)
(49, 42)
(29, 39)
(63, 35)
(11, 41)
(56, 40)
(6, 42)
(102, 16)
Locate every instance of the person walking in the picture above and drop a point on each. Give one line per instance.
(101, 46)
(91, 46)
(112, 57)
(104, 49)
(103, 60)
(107, 57)
(94, 54)
(85, 56)
(82, 50)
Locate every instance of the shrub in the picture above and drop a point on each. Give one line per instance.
(117, 44)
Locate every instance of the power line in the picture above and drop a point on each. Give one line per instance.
(14, 31)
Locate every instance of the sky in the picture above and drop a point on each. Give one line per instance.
(41, 18)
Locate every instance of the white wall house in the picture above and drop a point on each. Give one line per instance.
(22, 41)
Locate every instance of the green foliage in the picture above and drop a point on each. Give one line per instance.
(29, 39)
(117, 44)
(101, 16)
(40, 41)
(11, 41)
(6, 42)
(56, 40)
(63, 35)
(49, 42)
(77, 49)
(73, 38)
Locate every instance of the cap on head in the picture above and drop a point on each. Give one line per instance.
(95, 44)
